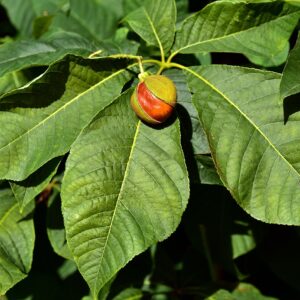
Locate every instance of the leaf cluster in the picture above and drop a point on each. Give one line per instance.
(190, 209)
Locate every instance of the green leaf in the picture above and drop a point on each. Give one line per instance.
(290, 83)
(131, 5)
(125, 188)
(26, 190)
(221, 295)
(47, 7)
(41, 25)
(188, 112)
(182, 9)
(16, 241)
(26, 53)
(116, 6)
(207, 171)
(96, 18)
(155, 23)
(258, 30)
(125, 45)
(242, 244)
(256, 155)
(11, 81)
(21, 15)
(129, 294)
(67, 269)
(246, 291)
(68, 96)
(55, 227)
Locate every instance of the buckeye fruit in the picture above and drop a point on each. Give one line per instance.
(154, 99)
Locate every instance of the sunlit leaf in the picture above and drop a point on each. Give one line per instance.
(258, 30)
(256, 155)
(125, 188)
(42, 120)
(155, 22)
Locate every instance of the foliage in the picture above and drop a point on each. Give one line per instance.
(132, 211)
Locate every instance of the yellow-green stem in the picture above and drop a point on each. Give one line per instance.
(171, 57)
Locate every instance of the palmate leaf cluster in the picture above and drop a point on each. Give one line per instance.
(112, 186)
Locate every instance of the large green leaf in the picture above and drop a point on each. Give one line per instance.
(16, 241)
(125, 188)
(26, 53)
(290, 83)
(258, 30)
(256, 155)
(155, 22)
(42, 120)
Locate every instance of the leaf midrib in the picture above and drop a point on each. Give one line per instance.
(232, 34)
(118, 200)
(154, 31)
(244, 115)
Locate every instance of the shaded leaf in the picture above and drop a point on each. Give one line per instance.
(41, 25)
(26, 53)
(184, 99)
(26, 190)
(67, 269)
(182, 9)
(67, 96)
(221, 295)
(207, 171)
(155, 22)
(21, 15)
(99, 20)
(131, 5)
(129, 294)
(245, 291)
(258, 30)
(256, 155)
(16, 241)
(242, 244)
(12, 81)
(55, 227)
(125, 188)
(290, 83)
